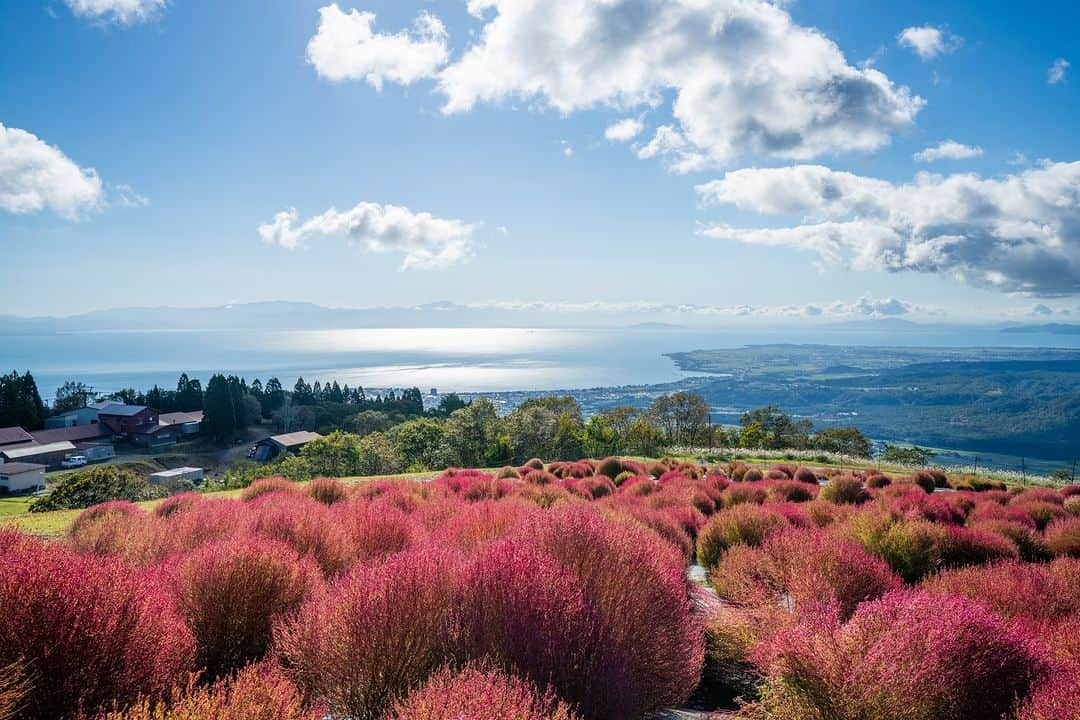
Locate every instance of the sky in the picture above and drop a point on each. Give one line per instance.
(713, 158)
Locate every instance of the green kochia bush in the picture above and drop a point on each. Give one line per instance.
(742, 524)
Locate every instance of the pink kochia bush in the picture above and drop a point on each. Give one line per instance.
(476, 693)
(908, 655)
(230, 592)
(88, 631)
(375, 632)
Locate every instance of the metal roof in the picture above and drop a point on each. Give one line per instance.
(121, 409)
(13, 435)
(175, 472)
(180, 418)
(32, 450)
(17, 468)
(295, 438)
(73, 434)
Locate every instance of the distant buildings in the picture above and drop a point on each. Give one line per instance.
(192, 474)
(269, 448)
(49, 455)
(73, 418)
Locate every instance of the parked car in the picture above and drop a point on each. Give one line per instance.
(75, 461)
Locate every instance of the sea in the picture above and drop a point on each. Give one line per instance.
(445, 359)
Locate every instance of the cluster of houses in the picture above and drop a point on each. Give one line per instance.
(89, 432)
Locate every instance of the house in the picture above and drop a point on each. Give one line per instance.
(96, 433)
(193, 474)
(18, 477)
(170, 428)
(50, 455)
(14, 436)
(73, 418)
(269, 448)
(123, 420)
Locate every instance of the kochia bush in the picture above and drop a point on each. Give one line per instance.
(231, 591)
(90, 631)
(1063, 537)
(477, 692)
(741, 524)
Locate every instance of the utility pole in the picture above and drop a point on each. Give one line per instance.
(1023, 471)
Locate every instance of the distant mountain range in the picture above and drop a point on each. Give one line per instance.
(1048, 328)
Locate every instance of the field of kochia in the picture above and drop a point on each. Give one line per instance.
(554, 592)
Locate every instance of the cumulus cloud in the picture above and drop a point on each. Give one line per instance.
(948, 150)
(35, 175)
(624, 130)
(346, 47)
(1057, 71)
(744, 77)
(928, 41)
(123, 12)
(1019, 233)
(567, 148)
(426, 241)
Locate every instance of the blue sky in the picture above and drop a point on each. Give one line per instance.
(189, 125)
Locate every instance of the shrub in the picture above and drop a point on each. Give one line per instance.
(230, 592)
(177, 504)
(748, 577)
(611, 467)
(744, 492)
(1028, 542)
(266, 486)
(994, 511)
(508, 473)
(878, 481)
(911, 655)
(95, 485)
(925, 480)
(662, 523)
(377, 631)
(307, 526)
(791, 491)
(729, 634)
(1043, 513)
(598, 486)
(90, 631)
(752, 475)
(258, 692)
(742, 524)
(535, 464)
(524, 612)
(540, 477)
(117, 528)
(374, 528)
(1063, 537)
(326, 490)
(967, 546)
(1072, 505)
(14, 687)
(623, 477)
(912, 549)
(478, 692)
(1047, 495)
(479, 524)
(636, 585)
(844, 490)
(1012, 589)
(1058, 698)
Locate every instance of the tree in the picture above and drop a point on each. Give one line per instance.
(682, 416)
(302, 393)
(449, 403)
(20, 402)
(418, 442)
(220, 413)
(97, 485)
(189, 394)
(368, 421)
(779, 430)
(913, 455)
(843, 440)
(469, 432)
(273, 397)
(549, 427)
(71, 396)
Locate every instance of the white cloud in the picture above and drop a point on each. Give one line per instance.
(745, 78)
(35, 175)
(567, 149)
(123, 12)
(928, 41)
(624, 130)
(426, 241)
(346, 47)
(125, 196)
(948, 150)
(1019, 233)
(1057, 71)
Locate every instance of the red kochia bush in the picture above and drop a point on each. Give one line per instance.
(116, 528)
(524, 612)
(230, 592)
(177, 504)
(636, 585)
(378, 630)
(910, 654)
(266, 486)
(1063, 537)
(374, 527)
(306, 525)
(478, 524)
(1056, 699)
(258, 692)
(742, 524)
(89, 631)
(844, 489)
(477, 693)
(326, 490)
(1012, 589)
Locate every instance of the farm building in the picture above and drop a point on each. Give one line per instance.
(195, 475)
(50, 455)
(124, 420)
(269, 448)
(14, 436)
(78, 434)
(188, 423)
(16, 477)
(73, 418)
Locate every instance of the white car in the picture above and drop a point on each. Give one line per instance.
(74, 461)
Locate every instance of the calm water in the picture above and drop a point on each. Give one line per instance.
(479, 359)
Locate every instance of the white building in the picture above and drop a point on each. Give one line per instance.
(195, 475)
(16, 477)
